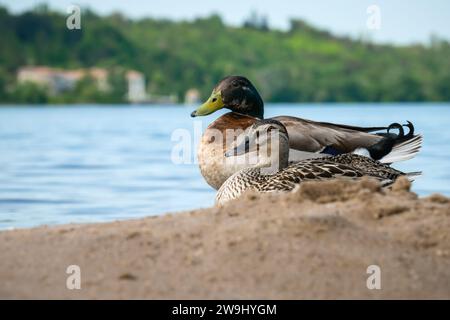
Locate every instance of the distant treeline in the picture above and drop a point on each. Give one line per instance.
(302, 64)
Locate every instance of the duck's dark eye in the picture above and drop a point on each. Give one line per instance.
(214, 100)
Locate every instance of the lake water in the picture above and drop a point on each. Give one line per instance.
(98, 163)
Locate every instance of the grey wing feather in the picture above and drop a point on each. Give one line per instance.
(306, 135)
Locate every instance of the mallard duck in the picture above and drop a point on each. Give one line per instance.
(308, 139)
(264, 152)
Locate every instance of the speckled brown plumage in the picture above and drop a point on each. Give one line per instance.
(348, 166)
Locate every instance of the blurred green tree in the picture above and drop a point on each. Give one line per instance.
(302, 64)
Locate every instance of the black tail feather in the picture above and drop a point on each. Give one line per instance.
(389, 140)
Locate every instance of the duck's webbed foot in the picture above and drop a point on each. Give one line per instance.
(389, 140)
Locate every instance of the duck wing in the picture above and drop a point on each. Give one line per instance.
(311, 136)
(334, 139)
(348, 166)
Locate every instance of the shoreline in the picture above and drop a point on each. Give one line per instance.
(316, 242)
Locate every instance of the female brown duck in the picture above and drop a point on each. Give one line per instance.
(307, 138)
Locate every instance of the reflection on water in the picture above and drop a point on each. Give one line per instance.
(92, 164)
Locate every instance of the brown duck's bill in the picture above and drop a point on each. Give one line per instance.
(211, 105)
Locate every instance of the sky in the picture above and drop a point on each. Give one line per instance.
(400, 21)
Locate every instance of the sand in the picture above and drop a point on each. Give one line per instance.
(316, 242)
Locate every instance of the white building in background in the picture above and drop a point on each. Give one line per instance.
(136, 87)
(59, 80)
(47, 77)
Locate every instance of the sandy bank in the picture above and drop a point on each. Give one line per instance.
(314, 243)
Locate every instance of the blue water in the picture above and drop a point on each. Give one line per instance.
(93, 164)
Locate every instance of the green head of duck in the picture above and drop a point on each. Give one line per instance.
(235, 93)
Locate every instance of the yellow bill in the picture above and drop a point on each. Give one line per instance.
(211, 105)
